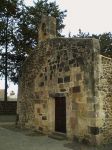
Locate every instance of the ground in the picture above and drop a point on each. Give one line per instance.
(13, 138)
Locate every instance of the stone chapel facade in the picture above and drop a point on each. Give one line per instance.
(66, 87)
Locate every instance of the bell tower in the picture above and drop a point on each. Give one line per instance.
(47, 29)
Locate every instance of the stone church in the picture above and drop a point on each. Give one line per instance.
(66, 87)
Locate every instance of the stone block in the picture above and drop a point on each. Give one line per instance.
(90, 100)
(78, 76)
(63, 90)
(59, 95)
(67, 79)
(60, 69)
(38, 110)
(36, 122)
(71, 61)
(60, 80)
(73, 123)
(66, 68)
(62, 65)
(76, 89)
(93, 114)
(41, 84)
(94, 130)
(74, 106)
(41, 74)
(50, 76)
(96, 107)
(44, 118)
(90, 107)
(40, 128)
(45, 78)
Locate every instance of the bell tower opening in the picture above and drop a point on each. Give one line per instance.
(44, 29)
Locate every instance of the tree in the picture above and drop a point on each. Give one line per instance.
(106, 44)
(30, 21)
(22, 31)
(7, 12)
(105, 40)
(82, 34)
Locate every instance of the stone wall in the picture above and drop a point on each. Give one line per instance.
(47, 28)
(104, 101)
(65, 67)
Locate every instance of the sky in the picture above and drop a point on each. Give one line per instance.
(93, 16)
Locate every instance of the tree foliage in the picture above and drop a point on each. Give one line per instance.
(22, 31)
(22, 23)
(8, 23)
(106, 44)
(105, 40)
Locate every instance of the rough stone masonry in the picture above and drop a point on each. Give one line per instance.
(66, 86)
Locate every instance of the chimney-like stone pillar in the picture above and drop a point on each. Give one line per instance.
(47, 29)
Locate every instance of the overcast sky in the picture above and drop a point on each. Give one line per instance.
(94, 16)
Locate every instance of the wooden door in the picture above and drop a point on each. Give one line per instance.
(60, 114)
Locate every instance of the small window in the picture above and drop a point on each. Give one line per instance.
(44, 28)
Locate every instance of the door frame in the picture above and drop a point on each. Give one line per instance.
(65, 125)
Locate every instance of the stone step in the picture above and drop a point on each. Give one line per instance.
(58, 136)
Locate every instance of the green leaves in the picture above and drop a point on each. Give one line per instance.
(22, 31)
(106, 43)
(105, 40)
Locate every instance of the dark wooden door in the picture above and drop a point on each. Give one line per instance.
(60, 114)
